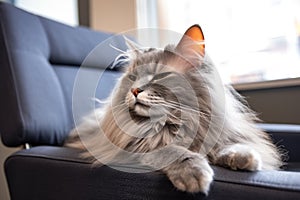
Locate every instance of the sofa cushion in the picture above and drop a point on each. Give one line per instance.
(35, 90)
(56, 173)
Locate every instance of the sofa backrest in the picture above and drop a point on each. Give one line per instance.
(39, 61)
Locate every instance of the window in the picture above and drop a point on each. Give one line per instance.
(249, 41)
(63, 11)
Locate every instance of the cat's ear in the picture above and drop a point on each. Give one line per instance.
(192, 42)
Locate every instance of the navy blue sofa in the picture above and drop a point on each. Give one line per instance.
(39, 59)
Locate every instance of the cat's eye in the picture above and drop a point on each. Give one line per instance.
(132, 77)
(161, 75)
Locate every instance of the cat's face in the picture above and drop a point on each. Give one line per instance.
(162, 85)
(152, 86)
(158, 90)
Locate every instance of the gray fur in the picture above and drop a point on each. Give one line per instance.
(183, 119)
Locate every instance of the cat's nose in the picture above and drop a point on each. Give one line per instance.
(136, 91)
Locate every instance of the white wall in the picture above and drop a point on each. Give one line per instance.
(113, 15)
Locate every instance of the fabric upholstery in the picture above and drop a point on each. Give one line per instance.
(36, 97)
(70, 177)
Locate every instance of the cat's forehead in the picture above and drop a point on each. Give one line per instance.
(151, 61)
(147, 56)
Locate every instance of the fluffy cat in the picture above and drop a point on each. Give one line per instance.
(169, 111)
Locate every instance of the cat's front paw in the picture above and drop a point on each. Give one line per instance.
(192, 174)
(240, 157)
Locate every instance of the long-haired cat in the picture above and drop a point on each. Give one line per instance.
(169, 111)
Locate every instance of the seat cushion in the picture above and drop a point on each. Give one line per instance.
(56, 173)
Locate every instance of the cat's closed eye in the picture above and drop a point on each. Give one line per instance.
(132, 77)
(161, 75)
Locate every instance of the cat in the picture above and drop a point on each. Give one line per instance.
(169, 111)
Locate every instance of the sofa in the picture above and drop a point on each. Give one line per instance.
(39, 63)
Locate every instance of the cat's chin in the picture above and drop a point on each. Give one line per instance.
(147, 111)
(142, 110)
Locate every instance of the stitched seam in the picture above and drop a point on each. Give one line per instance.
(67, 120)
(46, 35)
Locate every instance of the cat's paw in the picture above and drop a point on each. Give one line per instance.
(192, 174)
(240, 157)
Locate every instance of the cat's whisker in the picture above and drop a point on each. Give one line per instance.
(172, 106)
(184, 107)
(117, 49)
(121, 108)
(174, 117)
(175, 105)
(121, 60)
(180, 108)
(100, 101)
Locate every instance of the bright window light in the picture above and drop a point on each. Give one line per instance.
(64, 11)
(249, 41)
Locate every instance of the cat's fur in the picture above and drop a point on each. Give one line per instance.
(170, 111)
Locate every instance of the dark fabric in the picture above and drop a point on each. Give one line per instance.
(58, 173)
(292, 166)
(35, 97)
(67, 76)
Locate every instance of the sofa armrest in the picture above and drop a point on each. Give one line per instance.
(63, 170)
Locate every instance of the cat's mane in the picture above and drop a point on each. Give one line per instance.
(170, 111)
(229, 119)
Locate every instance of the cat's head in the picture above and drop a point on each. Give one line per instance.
(162, 84)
